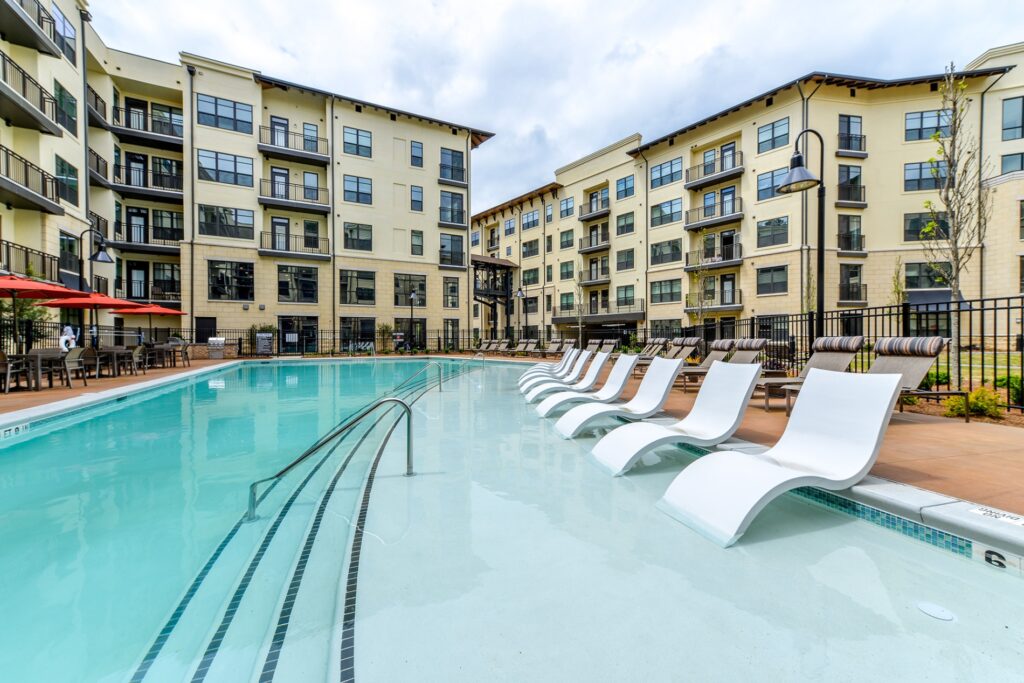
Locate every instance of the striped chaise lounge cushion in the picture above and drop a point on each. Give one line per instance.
(910, 346)
(838, 344)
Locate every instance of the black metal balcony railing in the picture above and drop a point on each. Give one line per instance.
(96, 102)
(456, 216)
(136, 119)
(725, 297)
(276, 189)
(594, 241)
(34, 9)
(98, 164)
(69, 262)
(21, 260)
(25, 173)
(851, 241)
(852, 143)
(447, 257)
(18, 80)
(850, 291)
(99, 224)
(279, 137)
(493, 244)
(720, 254)
(141, 290)
(618, 307)
(298, 244)
(720, 164)
(850, 192)
(719, 210)
(591, 206)
(595, 274)
(456, 173)
(100, 284)
(136, 176)
(136, 233)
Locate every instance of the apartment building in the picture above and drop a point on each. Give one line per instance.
(712, 241)
(239, 198)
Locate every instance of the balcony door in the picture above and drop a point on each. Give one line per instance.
(136, 169)
(728, 199)
(728, 156)
(138, 225)
(727, 284)
(138, 280)
(135, 113)
(279, 232)
(278, 131)
(279, 182)
(728, 245)
(595, 303)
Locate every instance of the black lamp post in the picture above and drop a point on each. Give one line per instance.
(412, 302)
(521, 295)
(800, 179)
(99, 256)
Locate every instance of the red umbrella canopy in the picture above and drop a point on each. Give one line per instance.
(16, 287)
(149, 309)
(94, 300)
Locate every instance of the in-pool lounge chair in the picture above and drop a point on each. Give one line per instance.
(548, 370)
(612, 389)
(574, 374)
(745, 351)
(827, 353)
(585, 384)
(715, 416)
(831, 441)
(649, 398)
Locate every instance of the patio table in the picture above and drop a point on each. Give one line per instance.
(36, 360)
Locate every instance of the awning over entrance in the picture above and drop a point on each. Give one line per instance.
(934, 301)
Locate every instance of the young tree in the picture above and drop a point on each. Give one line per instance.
(898, 287)
(698, 278)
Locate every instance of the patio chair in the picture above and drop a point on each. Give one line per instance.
(97, 361)
(719, 350)
(831, 441)
(745, 351)
(550, 369)
(827, 353)
(186, 360)
(571, 376)
(550, 348)
(519, 348)
(680, 347)
(73, 362)
(593, 345)
(715, 416)
(586, 383)
(500, 347)
(612, 389)
(134, 362)
(649, 398)
(488, 345)
(608, 345)
(13, 368)
(531, 346)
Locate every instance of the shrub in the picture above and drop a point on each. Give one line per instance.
(984, 401)
(933, 379)
(1013, 382)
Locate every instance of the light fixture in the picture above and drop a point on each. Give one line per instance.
(799, 178)
(101, 255)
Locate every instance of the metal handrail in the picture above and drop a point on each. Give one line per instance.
(440, 375)
(250, 514)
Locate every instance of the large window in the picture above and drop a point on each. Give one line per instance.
(767, 182)
(222, 221)
(915, 224)
(565, 207)
(666, 252)
(416, 239)
(666, 291)
(358, 236)
(67, 180)
(625, 295)
(64, 33)
(416, 198)
(167, 278)
(531, 248)
(357, 141)
(565, 270)
(416, 154)
(565, 239)
(1013, 118)
(510, 226)
(927, 275)
(921, 125)
(358, 287)
(772, 135)
(924, 175)
(624, 187)
(1012, 162)
(566, 300)
(67, 108)
(358, 189)
(666, 212)
(474, 238)
(297, 284)
(453, 250)
(225, 168)
(452, 207)
(531, 219)
(666, 328)
(167, 120)
(624, 259)
(168, 226)
(531, 276)
(230, 281)
(221, 113)
(450, 288)
(668, 172)
(358, 329)
(774, 280)
(773, 232)
(406, 285)
(624, 223)
(453, 166)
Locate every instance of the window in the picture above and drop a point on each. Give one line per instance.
(297, 284)
(358, 287)
(168, 226)
(565, 270)
(773, 280)
(452, 165)
(666, 252)
(624, 223)
(531, 248)
(222, 221)
(358, 329)
(849, 175)
(357, 141)
(566, 300)
(666, 291)
(531, 276)
(772, 135)
(927, 275)
(221, 113)
(850, 133)
(666, 328)
(67, 180)
(450, 287)
(548, 273)
(406, 285)
(69, 246)
(668, 172)
(1021, 213)
(565, 239)
(666, 212)
(1013, 118)
(924, 175)
(624, 187)
(67, 108)
(417, 242)
(915, 225)
(531, 219)
(921, 125)
(416, 154)
(63, 33)
(220, 167)
(773, 232)
(452, 251)
(624, 296)
(167, 120)
(310, 186)
(167, 277)
(230, 281)
(415, 198)
(474, 238)
(311, 138)
(624, 259)
(767, 182)
(358, 236)
(1012, 162)
(849, 233)
(549, 213)
(548, 244)
(451, 208)
(358, 189)
(565, 207)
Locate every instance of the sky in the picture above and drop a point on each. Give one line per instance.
(558, 79)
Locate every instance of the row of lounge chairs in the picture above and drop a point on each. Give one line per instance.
(525, 346)
(831, 440)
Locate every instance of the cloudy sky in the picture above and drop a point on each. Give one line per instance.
(557, 79)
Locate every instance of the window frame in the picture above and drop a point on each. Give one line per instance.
(357, 189)
(363, 235)
(238, 125)
(221, 161)
(774, 138)
(774, 285)
(232, 286)
(357, 142)
(773, 240)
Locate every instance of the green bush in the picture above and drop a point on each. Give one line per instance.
(1013, 382)
(984, 401)
(933, 379)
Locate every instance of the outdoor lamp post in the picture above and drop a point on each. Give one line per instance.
(99, 256)
(412, 302)
(797, 180)
(521, 295)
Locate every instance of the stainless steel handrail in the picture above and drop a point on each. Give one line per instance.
(250, 514)
(440, 375)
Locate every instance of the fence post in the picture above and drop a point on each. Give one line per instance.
(905, 319)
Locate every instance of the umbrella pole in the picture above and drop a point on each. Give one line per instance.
(17, 332)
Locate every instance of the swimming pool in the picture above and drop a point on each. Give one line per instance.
(508, 556)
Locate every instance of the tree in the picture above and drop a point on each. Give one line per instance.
(699, 277)
(898, 290)
(958, 220)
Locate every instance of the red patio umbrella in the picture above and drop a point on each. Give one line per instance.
(150, 310)
(17, 287)
(94, 301)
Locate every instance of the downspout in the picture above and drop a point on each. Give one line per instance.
(981, 159)
(646, 250)
(467, 245)
(193, 218)
(332, 240)
(84, 16)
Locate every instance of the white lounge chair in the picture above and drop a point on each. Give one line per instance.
(611, 390)
(571, 376)
(585, 384)
(650, 397)
(831, 441)
(550, 369)
(715, 416)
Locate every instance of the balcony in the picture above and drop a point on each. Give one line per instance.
(160, 291)
(853, 294)
(146, 239)
(26, 23)
(850, 145)
(851, 196)
(592, 209)
(722, 256)
(69, 263)
(710, 215)
(493, 244)
(278, 143)
(600, 312)
(101, 284)
(452, 175)
(724, 300)
(96, 109)
(137, 182)
(98, 170)
(451, 218)
(594, 276)
(23, 185)
(99, 224)
(295, 246)
(594, 243)
(20, 260)
(452, 260)
(138, 127)
(719, 170)
(295, 197)
(24, 102)
(851, 244)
